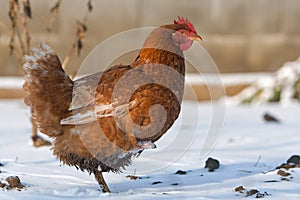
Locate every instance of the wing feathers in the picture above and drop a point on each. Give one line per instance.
(99, 111)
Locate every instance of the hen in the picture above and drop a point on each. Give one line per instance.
(103, 120)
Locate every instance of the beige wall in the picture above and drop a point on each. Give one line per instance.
(240, 35)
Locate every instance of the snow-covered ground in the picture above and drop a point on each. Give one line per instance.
(247, 147)
(282, 86)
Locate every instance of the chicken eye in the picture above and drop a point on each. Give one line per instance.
(182, 32)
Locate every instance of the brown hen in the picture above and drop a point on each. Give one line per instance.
(101, 121)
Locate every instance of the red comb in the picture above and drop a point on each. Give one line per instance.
(185, 21)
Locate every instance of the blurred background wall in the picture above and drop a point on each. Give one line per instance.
(240, 35)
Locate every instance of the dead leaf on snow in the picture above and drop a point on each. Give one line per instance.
(283, 173)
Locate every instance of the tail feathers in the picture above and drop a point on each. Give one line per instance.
(49, 89)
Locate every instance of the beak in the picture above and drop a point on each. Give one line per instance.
(197, 38)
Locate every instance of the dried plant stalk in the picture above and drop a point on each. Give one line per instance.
(54, 13)
(18, 51)
(13, 15)
(80, 32)
(4, 26)
(26, 13)
(18, 55)
(19, 43)
(14, 11)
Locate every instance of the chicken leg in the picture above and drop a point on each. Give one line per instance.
(36, 139)
(99, 177)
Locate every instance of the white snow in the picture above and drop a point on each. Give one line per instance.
(283, 81)
(11, 82)
(243, 139)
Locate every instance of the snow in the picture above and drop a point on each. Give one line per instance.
(11, 82)
(247, 147)
(282, 86)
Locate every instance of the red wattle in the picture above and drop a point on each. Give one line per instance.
(186, 45)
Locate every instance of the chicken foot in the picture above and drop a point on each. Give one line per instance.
(99, 177)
